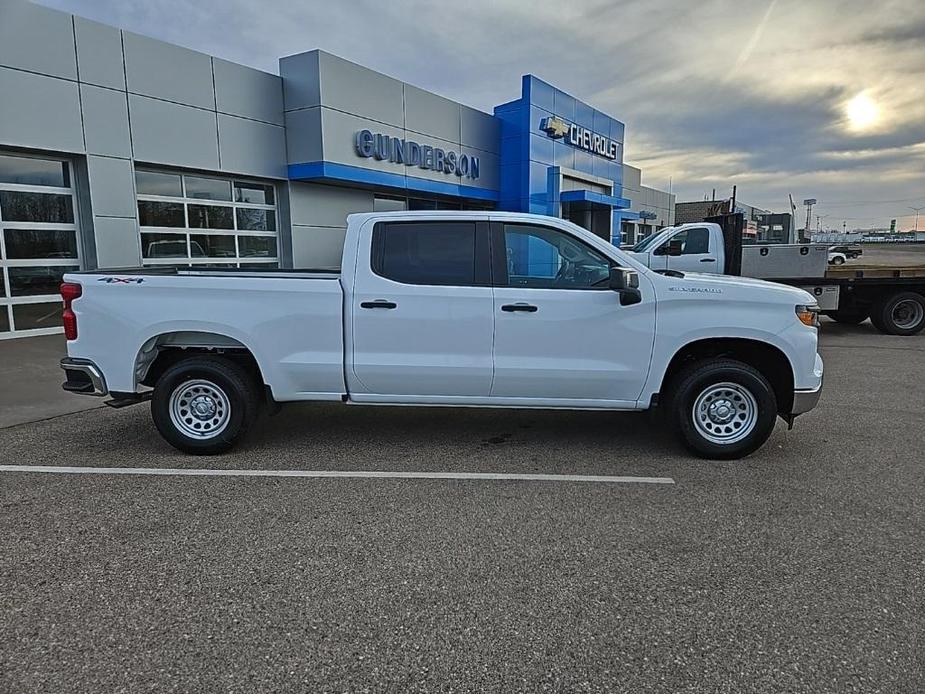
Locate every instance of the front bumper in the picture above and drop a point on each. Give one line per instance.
(83, 377)
(805, 400)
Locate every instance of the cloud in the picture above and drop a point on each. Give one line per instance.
(712, 92)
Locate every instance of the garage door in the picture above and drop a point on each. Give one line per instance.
(38, 242)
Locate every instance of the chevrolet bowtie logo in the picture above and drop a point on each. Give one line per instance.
(554, 126)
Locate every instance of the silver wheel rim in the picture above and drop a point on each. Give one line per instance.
(907, 314)
(725, 413)
(199, 409)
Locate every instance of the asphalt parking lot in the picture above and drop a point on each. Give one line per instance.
(800, 569)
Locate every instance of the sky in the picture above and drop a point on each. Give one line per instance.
(819, 99)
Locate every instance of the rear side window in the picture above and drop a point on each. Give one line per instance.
(440, 253)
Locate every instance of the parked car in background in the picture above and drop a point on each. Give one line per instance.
(851, 251)
(836, 258)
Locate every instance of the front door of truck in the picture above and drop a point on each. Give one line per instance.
(421, 312)
(561, 336)
(689, 251)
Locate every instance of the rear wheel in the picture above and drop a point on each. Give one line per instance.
(722, 409)
(204, 405)
(900, 314)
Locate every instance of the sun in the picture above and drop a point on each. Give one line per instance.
(862, 111)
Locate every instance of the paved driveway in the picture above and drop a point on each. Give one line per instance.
(799, 569)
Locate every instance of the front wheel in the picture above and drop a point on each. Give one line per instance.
(204, 405)
(723, 409)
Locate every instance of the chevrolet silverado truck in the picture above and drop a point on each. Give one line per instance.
(893, 297)
(462, 309)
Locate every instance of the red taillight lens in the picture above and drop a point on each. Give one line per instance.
(69, 292)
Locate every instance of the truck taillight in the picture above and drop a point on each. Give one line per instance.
(69, 292)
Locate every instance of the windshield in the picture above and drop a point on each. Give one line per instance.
(648, 241)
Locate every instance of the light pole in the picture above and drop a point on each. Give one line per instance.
(916, 210)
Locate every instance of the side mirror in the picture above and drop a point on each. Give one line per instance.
(626, 283)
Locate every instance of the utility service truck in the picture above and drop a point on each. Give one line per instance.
(892, 297)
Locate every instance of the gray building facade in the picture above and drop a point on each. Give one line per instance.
(653, 208)
(118, 150)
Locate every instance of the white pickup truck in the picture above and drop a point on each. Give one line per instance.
(483, 309)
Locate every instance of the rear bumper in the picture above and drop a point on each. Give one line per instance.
(83, 377)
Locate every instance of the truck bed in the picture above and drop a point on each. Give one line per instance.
(290, 320)
(855, 271)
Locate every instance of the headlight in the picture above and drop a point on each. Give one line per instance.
(808, 315)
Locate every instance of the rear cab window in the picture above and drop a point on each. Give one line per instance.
(442, 253)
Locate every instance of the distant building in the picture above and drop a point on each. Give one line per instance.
(654, 209)
(699, 210)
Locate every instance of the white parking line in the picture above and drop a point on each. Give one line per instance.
(376, 474)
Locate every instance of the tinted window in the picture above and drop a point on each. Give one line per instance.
(40, 243)
(254, 219)
(31, 316)
(33, 281)
(208, 188)
(211, 246)
(34, 172)
(36, 207)
(154, 183)
(257, 246)
(441, 253)
(160, 214)
(253, 193)
(164, 246)
(210, 217)
(545, 258)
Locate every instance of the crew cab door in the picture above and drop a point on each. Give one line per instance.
(689, 250)
(562, 338)
(421, 312)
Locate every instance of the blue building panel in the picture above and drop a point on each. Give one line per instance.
(541, 148)
(565, 105)
(538, 93)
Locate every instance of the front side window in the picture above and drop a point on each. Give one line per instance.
(545, 258)
(690, 242)
(435, 253)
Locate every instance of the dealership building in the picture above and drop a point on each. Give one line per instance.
(118, 150)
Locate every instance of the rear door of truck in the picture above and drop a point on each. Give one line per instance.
(420, 311)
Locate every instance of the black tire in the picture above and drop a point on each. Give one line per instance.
(837, 261)
(849, 317)
(899, 314)
(228, 387)
(696, 380)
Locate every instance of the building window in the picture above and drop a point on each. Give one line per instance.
(206, 220)
(39, 242)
